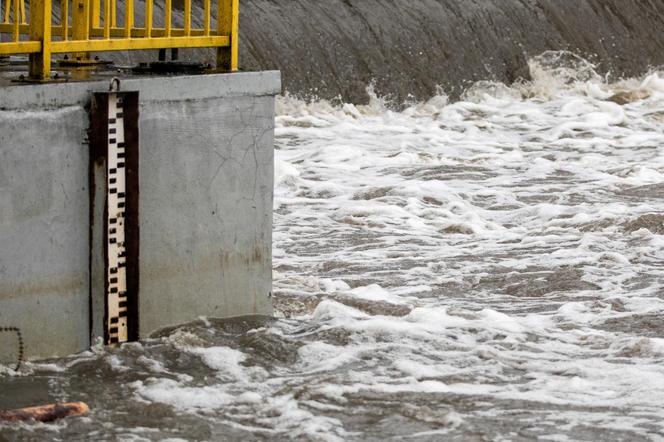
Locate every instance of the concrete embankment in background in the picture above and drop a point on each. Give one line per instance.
(206, 174)
(408, 47)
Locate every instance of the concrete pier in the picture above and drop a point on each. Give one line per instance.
(206, 174)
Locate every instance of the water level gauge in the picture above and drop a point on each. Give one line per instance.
(114, 244)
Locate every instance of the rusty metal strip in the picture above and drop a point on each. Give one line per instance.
(132, 230)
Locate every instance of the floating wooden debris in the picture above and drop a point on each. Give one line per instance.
(45, 413)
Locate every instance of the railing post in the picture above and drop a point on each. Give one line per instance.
(129, 18)
(17, 23)
(228, 14)
(80, 15)
(40, 30)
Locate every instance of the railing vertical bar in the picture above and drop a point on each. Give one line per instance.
(206, 17)
(107, 19)
(114, 7)
(17, 22)
(187, 17)
(23, 18)
(148, 18)
(95, 13)
(129, 18)
(168, 17)
(64, 18)
(7, 8)
(235, 25)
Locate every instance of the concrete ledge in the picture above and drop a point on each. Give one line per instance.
(177, 88)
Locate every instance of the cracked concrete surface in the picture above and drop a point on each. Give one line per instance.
(217, 216)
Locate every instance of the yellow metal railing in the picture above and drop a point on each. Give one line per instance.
(92, 26)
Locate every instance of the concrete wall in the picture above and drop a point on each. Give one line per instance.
(206, 172)
(44, 230)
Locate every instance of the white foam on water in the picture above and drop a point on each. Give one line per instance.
(501, 220)
(172, 392)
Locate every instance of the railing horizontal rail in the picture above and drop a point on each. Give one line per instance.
(130, 44)
(57, 31)
(22, 47)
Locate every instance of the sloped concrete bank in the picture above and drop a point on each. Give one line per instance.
(408, 47)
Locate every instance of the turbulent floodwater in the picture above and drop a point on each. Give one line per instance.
(490, 269)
